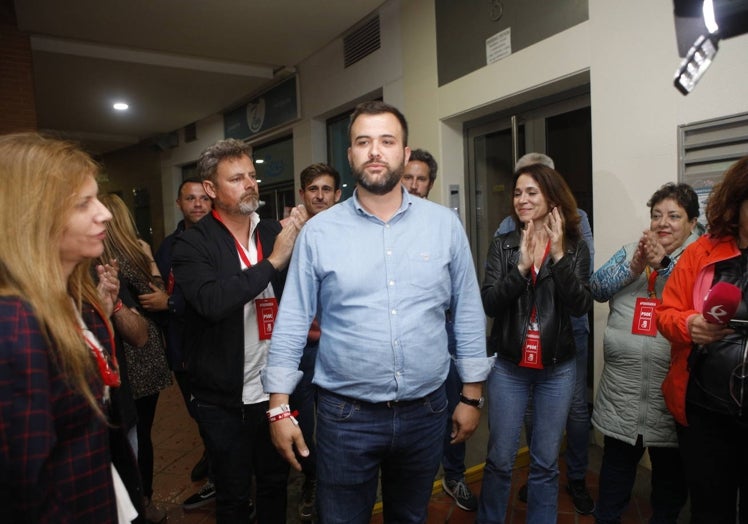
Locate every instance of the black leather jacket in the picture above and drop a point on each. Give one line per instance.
(560, 292)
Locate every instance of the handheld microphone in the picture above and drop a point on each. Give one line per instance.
(721, 303)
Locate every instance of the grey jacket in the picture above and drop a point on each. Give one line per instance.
(629, 399)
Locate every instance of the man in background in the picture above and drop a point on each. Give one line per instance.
(420, 173)
(194, 203)
(418, 179)
(320, 190)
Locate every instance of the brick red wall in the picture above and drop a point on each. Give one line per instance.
(17, 105)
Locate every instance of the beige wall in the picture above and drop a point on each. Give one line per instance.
(626, 51)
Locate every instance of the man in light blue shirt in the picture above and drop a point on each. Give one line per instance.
(379, 271)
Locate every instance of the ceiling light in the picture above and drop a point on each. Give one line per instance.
(120, 106)
(259, 161)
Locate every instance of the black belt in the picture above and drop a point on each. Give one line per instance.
(385, 404)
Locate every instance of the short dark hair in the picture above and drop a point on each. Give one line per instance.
(309, 173)
(377, 107)
(188, 180)
(421, 155)
(683, 194)
(725, 200)
(556, 193)
(209, 159)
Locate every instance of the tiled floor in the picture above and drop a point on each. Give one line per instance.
(178, 447)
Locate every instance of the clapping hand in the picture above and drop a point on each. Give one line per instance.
(554, 226)
(108, 286)
(526, 248)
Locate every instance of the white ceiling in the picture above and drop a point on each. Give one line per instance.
(173, 61)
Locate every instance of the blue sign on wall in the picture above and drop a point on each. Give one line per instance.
(273, 108)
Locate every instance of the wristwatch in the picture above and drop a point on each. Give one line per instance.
(665, 262)
(475, 402)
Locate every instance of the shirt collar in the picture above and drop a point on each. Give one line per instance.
(407, 201)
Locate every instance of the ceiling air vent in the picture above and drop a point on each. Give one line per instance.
(361, 42)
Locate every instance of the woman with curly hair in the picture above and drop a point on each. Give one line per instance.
(706, 388)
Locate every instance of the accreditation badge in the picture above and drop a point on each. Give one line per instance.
(644, 317)
(267, 309)
(531, 355)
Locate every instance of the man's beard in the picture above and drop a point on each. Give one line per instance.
(249, 203)
(381, 185)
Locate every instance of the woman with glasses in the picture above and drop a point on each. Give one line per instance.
(536, 279)
(704, 388)
(629, 409)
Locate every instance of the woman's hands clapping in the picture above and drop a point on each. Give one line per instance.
(554, 227)
(648, 252)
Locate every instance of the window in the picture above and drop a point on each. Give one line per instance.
(707, 149)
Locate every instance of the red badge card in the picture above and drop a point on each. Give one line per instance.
(267, 309)
(644, 317)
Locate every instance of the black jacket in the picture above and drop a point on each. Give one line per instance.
(560, 292)
(207, 270)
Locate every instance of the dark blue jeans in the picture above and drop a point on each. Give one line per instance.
(356, 439)
(617, 475)
(453, 460)
(508, 389)
(238, 442)
(578, 421)
(303, 399)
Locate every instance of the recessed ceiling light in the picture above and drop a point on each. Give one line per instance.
(259, 161)
(120, 106)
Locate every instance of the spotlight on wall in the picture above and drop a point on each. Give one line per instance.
(702, 24)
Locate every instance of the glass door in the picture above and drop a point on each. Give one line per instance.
(561, 130)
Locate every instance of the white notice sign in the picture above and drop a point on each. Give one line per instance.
(499, 46)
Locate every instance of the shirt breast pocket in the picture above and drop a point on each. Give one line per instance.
(428, 271)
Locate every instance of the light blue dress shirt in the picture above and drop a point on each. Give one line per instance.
(380, 291)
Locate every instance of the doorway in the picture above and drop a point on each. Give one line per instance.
(560, 128)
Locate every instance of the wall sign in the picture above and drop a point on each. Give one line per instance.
(275, 107)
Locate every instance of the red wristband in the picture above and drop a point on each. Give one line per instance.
(119, 305)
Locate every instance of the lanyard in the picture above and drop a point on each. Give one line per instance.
(532, 267)
(651, 277)
(239, 248)
(534, 312)
(109, 374)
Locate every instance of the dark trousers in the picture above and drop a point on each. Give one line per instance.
(303, 400)
(453, 460)
(715, 459)
(146, 408)
(238, 442)
(617, 475)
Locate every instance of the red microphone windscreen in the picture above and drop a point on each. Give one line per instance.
(721, 303)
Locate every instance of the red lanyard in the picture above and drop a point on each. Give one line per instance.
(239, 247)
(534, 312)
(651, 277)
(109, 374)
(532, 267)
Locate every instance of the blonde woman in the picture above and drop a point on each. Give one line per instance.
(147, 367)
(57, 360)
